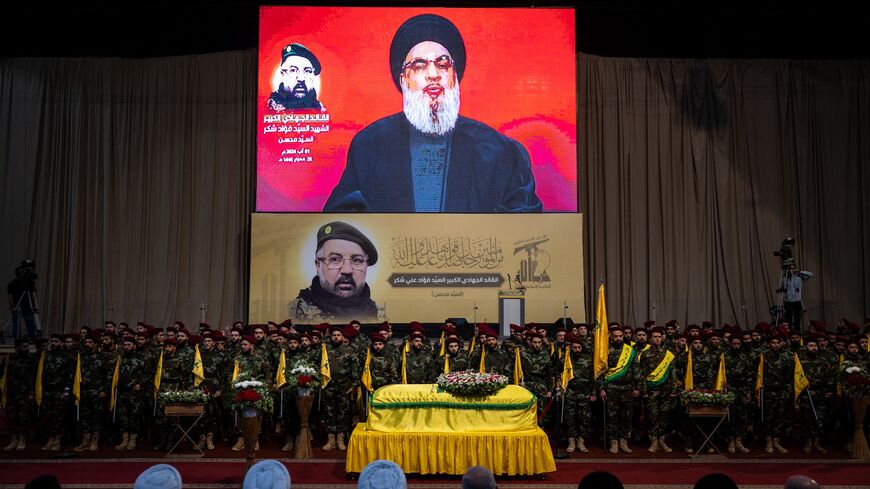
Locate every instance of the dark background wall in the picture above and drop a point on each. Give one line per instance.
(622, 28)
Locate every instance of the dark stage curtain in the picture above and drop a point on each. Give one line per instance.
(695, 171)
(130, 182)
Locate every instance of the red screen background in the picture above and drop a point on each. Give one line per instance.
(520, 79)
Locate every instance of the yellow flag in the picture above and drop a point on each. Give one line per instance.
(518, 366)
(325, 372)
(868, 342)
(759, 377)
(482, 359)
(473, 343)
(235, 370)
(405, 351)
(39, 369)
(4, 382)
(721, 379)
(157, 375)
(801, 381)
(198, 371)
(115, 376)
(552, 349)
(441, 350)
(689, 381)
(446, 365)
(567, 370)
(601, 346)
(839, 384)
(367, 371)
(77, 380)
(280, 378)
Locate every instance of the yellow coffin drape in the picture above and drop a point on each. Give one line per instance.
(426, 431)
(421, 407)
(507, 453)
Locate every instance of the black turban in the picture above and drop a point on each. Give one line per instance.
(426, 27)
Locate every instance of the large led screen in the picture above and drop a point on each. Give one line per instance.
(399, 110)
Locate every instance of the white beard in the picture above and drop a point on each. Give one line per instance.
(441, 120)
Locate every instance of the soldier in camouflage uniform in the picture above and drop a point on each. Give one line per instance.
(418, 361)
(133, 376)
(20, 380)
(740, 373)
(778, 389)
(382, 365)
(822, 378)
(538, 371)
(703, 376)
(345, 371)
(657, 386)
(177, 374)
(516, 339)
(617, 389)
(214, 365)
(579, 394)
(456, 358)
(95, 387)
(57, 375)
(496, 360)
(252, 366)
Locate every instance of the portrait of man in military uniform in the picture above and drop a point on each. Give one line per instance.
(339, 290)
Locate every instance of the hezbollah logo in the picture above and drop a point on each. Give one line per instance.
(327, 230)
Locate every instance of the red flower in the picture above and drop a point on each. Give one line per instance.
(303, 380)
(857, 380)
(248, 395)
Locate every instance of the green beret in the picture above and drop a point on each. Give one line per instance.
(343, 230)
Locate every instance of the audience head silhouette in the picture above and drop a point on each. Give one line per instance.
(382, 474)
(600, 480)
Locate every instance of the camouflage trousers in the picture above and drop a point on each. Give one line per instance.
(811, 425)
(619, 409)
(540, 390)
(777, 412)
(578, 414)
(92, 411)
(335, 409)
(659, 406)
(19, 413)
(211, 419)
(53, 411)
(128, 412)
(739, 413)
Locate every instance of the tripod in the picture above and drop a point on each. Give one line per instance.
(17, 315)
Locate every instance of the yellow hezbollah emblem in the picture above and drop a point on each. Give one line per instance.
(327, 230)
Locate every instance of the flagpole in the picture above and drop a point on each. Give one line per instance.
(810, 395)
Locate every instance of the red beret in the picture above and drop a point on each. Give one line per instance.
(649, 323)
(249, 338)
(315, 333)
(378, 338)
(657, 329)
(692, 326)
(349, 331)
(169, 341)
(516, 327)
(195, 339)
(574, 339)
(321, 327)
(452, 339)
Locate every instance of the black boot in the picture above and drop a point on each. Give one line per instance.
(162, 441)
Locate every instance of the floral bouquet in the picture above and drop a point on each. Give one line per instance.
(854, 380)
(707, 397)
(472, 384)
(303, 377)
(252, 394)
(182, 397)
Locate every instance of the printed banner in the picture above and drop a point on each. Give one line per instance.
(373, 267)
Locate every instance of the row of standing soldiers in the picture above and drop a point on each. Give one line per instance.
(639, 394)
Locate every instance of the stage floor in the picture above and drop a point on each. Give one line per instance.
(223, 468)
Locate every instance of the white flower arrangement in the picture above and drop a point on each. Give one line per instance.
(302, 369)
(853, 370)
(245, 384)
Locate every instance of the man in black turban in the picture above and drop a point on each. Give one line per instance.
(428, 158)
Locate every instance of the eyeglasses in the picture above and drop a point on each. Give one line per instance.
(335, 262)
(419, 65)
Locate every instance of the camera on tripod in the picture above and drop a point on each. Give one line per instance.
(26, 273)
(785, 254)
